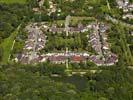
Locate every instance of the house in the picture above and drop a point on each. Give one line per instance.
(130, 16)
(29, 45)
(79, 28)
(40, 2)
(35, 9)
(102, 28)
(130, 7)
(54, 29)
(111, 59)
(122, 3)
(24, 59)
(57, 59)
(78, 58)
(96, 59)
(18, 57)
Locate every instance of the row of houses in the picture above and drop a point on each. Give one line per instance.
(98, 40)
(111, 59)
(57, 58)
(94, 39)
(77, 29)
(63, 57)
(35, 42)
(129, 16)
(35, 38)
(55, 29)
(51, 7)
(126, 7)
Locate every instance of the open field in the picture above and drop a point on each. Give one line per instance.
(7, 45)
(13, 1)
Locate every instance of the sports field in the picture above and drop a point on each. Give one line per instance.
(13, 1)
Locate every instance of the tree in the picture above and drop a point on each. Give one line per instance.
(1, 53)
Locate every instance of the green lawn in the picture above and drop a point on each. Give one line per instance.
(6, 45)
(75, 20)
(13, 1)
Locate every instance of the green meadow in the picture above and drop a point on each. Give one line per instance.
(6, 45)
(13, 1)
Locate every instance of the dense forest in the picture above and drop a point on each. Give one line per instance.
(34, 83)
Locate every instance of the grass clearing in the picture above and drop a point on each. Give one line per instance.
(13, 1)
(6, 45)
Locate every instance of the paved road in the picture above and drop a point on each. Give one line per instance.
(108, 5)
(67, 24)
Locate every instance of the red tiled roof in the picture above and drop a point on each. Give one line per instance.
(78, 58)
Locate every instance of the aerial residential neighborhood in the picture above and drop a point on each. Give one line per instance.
(66, 49)
(126, 7)
(37, 40)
